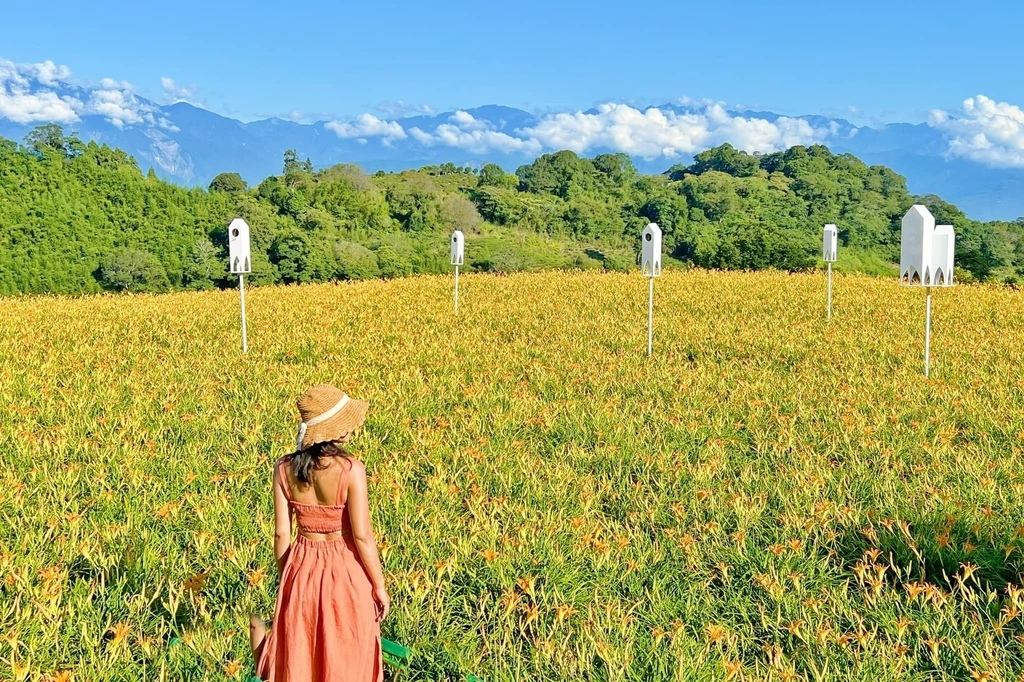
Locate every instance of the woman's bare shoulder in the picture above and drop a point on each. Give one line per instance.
(281, 466)
(356, 466)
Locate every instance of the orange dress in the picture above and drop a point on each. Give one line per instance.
(325, 625)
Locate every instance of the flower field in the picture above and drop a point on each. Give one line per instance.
(770, 497)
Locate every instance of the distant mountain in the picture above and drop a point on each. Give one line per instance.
(190, 145)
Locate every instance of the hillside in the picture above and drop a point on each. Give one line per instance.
(82, 217)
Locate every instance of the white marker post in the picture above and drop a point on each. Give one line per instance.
(458, 257)
(829, 251)
(926, 259)
(240, 259)
(650, 267)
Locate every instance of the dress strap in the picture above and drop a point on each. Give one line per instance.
(346, 467)
(285, 484)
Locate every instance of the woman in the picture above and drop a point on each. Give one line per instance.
(331, 598)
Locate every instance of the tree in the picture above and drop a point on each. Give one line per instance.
(300, 259)
(228, 182)
(491, 174)
(618, 168)
(132, 269)
(204, 267)
(725, 159)
(354, 261)
(459, 213)
(391, 263)
(563, 174)
(49, 139)
(292, 164)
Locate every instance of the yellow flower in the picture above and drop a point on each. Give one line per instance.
(715, 633)
(196, 582)
(232, 668)
(120, 632)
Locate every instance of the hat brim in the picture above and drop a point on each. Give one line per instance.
(350, 418)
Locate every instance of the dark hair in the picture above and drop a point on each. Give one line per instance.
(305, 462)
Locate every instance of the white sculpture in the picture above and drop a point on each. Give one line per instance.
(240, 260)
(829, 252)
(942, 256)
(650, 267)
(917, 236)
(926, 259)
(458, 257)
(458, 247)
(650, 251)
(239, 255)
(830, 244)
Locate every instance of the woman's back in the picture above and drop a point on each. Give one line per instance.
(326, 485)
(319, 505)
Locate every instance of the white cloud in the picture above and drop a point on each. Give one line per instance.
(15, 75)
(399, 109)
(421, 136)
(51, 74)
(990, 132)
(28, 94)
(473, 135)
(368, 125)
(40, 107)
(476, 141)
(655, 133)
(649, 133)
(167, 125)
(18, 101)
(117, 103)
(20, 75)
(175, 92)
(465, 120)
(111, 84)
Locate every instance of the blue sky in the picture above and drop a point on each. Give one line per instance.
(887, 61)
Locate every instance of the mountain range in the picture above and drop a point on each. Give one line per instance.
(190, 145)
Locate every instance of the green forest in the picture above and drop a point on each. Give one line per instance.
(79, 217)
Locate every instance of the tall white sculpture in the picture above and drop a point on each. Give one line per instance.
(458, 257)
(240, 262)
(650, 250)
(916, 238)
(650, 267)
(238, 247)
(829, 253)
(830, 244)
(926, 259)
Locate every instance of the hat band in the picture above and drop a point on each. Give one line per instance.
(320, 418)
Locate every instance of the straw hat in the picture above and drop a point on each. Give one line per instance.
(327, 414)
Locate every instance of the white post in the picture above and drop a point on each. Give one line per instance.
(239, 263)
(456, 288)
(650, 267)
(830, 291)
(241, 293)
(650, 317)
(927, 332)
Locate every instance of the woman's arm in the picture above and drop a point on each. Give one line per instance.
(282, 519)
(358, 506)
